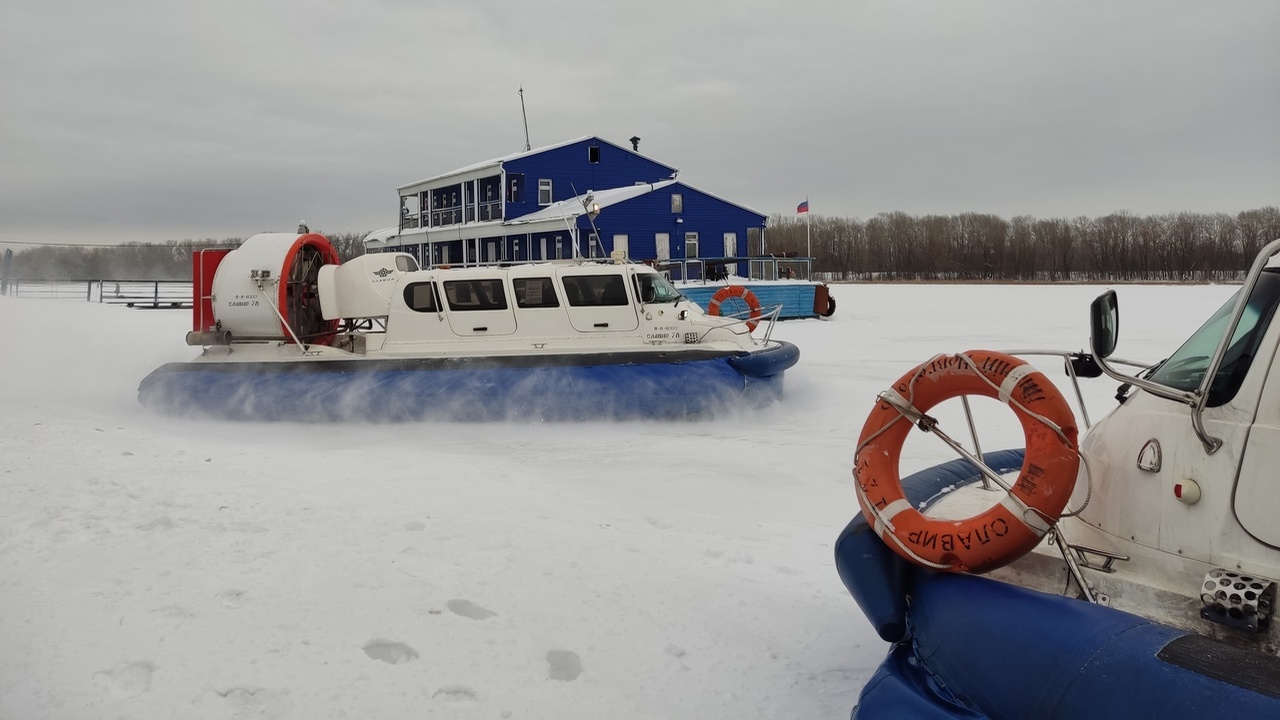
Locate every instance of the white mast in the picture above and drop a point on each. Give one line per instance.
(527, 146)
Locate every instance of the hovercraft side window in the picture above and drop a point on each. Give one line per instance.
(595, 290)
(483, 294)
(535, 293)
(1185, 368)
(421, 297)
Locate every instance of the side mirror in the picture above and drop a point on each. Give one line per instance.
(1104, 324)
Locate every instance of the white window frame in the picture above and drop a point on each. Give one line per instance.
(544, 191)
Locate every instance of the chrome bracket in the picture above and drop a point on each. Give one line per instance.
(1105, 558)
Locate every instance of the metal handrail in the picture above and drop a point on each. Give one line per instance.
(743, 317)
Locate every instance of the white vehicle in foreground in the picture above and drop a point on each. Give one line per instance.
(1130, 573)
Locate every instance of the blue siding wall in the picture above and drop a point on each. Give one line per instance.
(644, 217)
(568, 168)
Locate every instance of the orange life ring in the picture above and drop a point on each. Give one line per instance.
(738, 291)
(1010, 528)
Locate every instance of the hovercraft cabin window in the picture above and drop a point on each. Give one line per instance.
(535, 293)
(421, 297)
(595, 290)
(483, 294)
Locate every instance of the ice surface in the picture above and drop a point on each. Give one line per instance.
(153, 568)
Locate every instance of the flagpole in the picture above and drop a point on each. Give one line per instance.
(808, 239)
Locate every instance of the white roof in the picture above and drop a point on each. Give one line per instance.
(576, 206)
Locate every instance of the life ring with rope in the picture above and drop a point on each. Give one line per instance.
(1032, 505)
(742, 293)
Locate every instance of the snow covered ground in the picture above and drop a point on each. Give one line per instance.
(153, 568)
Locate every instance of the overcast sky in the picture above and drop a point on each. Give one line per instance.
(153, 120)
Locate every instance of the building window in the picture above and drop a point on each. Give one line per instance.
(593, 154)
(691, 244)
(544, 192)
(677, 203)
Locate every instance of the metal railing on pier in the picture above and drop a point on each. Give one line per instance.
(152, 294)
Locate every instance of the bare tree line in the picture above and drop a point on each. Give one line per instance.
(1174, 247)
(136, 261)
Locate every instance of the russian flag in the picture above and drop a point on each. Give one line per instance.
(803, 207)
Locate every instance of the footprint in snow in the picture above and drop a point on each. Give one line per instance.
(126, 680)
(564, 665)
(389, 651)
(456, 695)
(248, 701)
(732, 556)
(164, 522)
(468, 609)
(173, 614)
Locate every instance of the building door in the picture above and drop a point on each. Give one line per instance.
(662, 242)
(731, 244)
(691, 245)
(620, 243)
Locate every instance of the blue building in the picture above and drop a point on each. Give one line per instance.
(583, 198)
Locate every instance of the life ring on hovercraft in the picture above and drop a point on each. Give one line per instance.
(1010, 528)
(741, 292)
